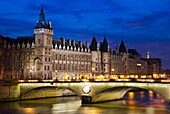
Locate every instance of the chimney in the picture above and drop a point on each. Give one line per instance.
(87, 45)
(127, 49)
(74, 43)
(49, 24)
(97, 46)
(81, 45)
(69, 42)
(108, 48)
(63, 42)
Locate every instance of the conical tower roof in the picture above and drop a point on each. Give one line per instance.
(41, 23)
(93, 46)
(104, 45)
(122, 48)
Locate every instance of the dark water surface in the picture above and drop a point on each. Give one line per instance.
(139, 102)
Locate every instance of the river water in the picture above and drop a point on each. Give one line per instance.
(139, 102)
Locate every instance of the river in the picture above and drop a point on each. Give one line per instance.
(138, 102)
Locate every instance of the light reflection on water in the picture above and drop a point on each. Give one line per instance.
(139, 102)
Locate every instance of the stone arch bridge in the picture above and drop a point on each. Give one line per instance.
(91, 92)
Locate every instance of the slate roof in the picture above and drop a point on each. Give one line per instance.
(93, 46)
(133, 52)
(74, 44)
(122, 48)
(20, 40)
(104, 45)
(41, 23)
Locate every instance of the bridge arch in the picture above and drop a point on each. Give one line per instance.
(33, 91)
(42, 92)
(114, 91)
(99, 91)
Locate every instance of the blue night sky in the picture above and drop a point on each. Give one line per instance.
(144, 24)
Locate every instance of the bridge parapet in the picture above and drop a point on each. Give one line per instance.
(91, 92)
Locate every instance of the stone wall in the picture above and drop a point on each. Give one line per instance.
(12, 91)
(9, 92)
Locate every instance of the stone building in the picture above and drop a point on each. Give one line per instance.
(43, 57)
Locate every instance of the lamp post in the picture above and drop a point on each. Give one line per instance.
(112, 71)
(31, 74)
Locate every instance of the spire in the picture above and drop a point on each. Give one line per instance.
(93, 46)
(148, 56)
(105, 45)
(122, 48)
(41, 23)
(41, 15)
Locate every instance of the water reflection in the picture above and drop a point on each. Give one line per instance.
(145, 99)
(139, 102)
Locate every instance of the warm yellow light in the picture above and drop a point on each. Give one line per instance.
(132, 76)
(136, 76)
(143, 76)
(29, 110)
(131, 95)
(121, 76)
(155, 76)
(92, 68)
(113, 69)
(66, 76)
(139, 64)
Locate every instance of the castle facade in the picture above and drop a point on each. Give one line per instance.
(43, 57)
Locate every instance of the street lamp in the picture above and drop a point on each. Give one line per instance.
(113, 70)
(31, 73)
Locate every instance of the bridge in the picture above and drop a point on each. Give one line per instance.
(88, 91)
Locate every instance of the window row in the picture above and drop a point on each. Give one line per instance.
(72, 67)
(72, 57)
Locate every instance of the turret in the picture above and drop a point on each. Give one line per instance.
(43, 31)
(93, 46)
(122, 48)
(148, 56)
(105, 46)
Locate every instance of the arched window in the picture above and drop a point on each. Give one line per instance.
(38, 64)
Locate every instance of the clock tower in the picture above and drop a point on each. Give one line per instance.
(43, 45)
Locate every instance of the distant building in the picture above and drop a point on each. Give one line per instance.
(167, 72)
(43, 57)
